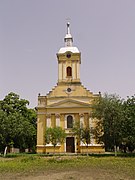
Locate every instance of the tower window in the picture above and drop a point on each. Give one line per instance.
(69, 121)
(68, 55)
(69, 71)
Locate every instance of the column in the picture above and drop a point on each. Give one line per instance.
(64, 71)
(62, 122)
(41, 118)
(48, 120)
(53, 121)
(62, 125)
(60, 71)
(73, 70)
(57, 120)
(78, 70)
(86, 120)
(81, 120)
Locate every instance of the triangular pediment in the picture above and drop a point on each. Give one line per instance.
(69, 103)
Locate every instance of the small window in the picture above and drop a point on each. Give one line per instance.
(68, 55)
(68, 90)
(69, 71)
(69, 121)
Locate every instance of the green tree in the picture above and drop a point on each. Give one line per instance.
(12, 103)
(77, 131)
(83, 134)
(109, 112)
(54, 136)
(128, 125)
(3, 118)
(86, 137)
(17, 123)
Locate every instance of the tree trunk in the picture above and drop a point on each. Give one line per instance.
(115, 150)
(87, 149)
(54, 150)
(5, 151)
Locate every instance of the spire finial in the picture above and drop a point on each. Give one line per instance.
(68, 29)
(68, 38)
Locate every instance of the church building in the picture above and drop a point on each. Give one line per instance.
(68, 102)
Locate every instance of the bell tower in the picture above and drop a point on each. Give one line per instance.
(69, 60)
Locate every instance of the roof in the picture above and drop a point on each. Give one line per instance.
(68, 48)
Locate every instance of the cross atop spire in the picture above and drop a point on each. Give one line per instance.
(68, 29)
(68, 38)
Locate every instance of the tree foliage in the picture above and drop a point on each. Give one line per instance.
(54, 135)
(108, 111)
(86, 136)
(116, 121)
(129, 123)
(83, 134)
(17, 123)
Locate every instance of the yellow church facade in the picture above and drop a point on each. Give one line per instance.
(67, 103)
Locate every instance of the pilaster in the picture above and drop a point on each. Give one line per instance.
(53, 121)
(41, 123)
(62, 121)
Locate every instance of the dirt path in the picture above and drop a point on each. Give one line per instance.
(89, 174)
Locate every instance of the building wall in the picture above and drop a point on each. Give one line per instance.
(59, 117)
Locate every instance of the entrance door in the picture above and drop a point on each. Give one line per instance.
(70, 145)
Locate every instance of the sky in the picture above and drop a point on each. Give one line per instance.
(33, 31)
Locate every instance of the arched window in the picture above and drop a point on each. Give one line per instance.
(69, 71)
(69, 121)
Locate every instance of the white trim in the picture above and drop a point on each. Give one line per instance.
(48, 122)
(40, 145)
(58, 121)
(65, 49)
(82, 121)
(75, 143)
(90, 122)
(41, 113)
(82, 144)
(65, 146)
(48, 145)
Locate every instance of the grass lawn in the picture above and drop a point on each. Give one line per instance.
(67, 167)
